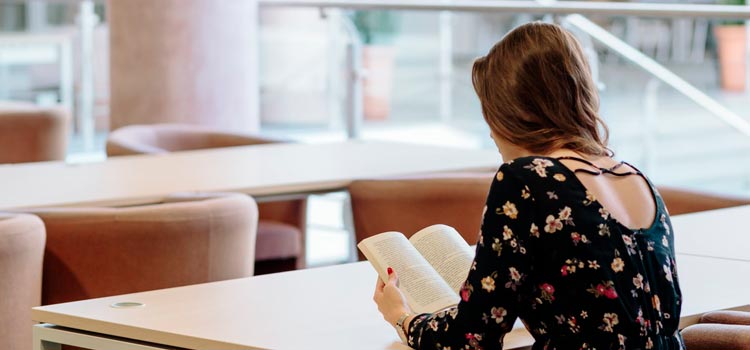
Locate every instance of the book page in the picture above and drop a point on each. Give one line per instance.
(444, 248)
(424, 289)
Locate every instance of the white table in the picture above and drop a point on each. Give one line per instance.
(317, 308)
(716, 233)
(323, 308)
(261, 170)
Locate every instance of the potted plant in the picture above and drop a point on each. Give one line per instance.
(377, 29)
(731, 39)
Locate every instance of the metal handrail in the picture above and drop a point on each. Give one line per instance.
(660, 72)
(531, 7)
(87, 20)
(564, 7)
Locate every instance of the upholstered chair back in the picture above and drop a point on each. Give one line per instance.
(409, 204)
(282, 224)
(165, 138)
(185, 239)
(29, 133)
(21, 252)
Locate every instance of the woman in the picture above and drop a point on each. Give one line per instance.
(576, 244)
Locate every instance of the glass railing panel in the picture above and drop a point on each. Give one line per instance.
(667, 110)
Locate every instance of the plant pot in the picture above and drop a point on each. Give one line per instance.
(731, 41)
(378, 62)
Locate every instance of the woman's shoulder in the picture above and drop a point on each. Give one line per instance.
(540, 177)
(531, 169)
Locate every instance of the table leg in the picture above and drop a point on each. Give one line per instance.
(50, 337)
(40, 343)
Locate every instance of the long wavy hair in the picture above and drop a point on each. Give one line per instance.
(536, 91)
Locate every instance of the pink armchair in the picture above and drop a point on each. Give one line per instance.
(682, 201)
(21, 252)
(719, 330)
(409, 204)
(184, 239)
(282, 223)
(32, 134)
(165, 138)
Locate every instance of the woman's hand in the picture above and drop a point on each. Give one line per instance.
(391, 301)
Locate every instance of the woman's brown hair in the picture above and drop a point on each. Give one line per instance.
(537, 92)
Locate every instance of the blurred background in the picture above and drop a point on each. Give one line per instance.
(672, 89)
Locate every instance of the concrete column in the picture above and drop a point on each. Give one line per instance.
(184, 61)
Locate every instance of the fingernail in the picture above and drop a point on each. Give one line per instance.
(390, 270)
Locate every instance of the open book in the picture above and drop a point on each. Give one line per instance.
(432, 265)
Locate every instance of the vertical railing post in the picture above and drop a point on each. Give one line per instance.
(747, 53)
(87, 21)
(333, 65)
(446, 66)
(354, 81)
(4, 76)
(66, 75)
(36, 15)
(650, 104)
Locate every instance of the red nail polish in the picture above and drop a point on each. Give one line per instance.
(390, 270)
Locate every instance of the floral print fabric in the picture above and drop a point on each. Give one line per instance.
(552, 255)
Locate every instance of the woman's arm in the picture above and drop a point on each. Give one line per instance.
(490, 296)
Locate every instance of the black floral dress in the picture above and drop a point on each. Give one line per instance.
(550, 254)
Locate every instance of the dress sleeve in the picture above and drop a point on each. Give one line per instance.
(490, 296)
